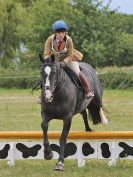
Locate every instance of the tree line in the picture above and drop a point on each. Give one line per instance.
(104, 37)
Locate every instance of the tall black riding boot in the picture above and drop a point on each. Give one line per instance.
(85, 84)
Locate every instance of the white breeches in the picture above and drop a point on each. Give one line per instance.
(74, 66)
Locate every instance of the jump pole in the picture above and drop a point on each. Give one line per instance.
(72, 135)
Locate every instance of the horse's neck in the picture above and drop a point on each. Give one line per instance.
(62, 81)
(62, 78)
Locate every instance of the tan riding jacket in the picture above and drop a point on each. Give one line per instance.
(66, 51)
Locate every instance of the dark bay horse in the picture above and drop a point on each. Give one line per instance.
(62, 99)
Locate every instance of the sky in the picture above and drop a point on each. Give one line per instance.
(123, 6)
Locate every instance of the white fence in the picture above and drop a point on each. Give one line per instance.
(81, 146)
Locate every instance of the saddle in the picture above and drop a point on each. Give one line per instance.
(74, 78)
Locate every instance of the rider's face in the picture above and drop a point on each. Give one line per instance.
(60, 35)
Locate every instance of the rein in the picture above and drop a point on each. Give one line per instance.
(61, 87)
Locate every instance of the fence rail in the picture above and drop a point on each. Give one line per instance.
(72, 135)
(81, 148)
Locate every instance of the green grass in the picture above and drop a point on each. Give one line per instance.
(119, 103)
(19, 110)
(40, 168)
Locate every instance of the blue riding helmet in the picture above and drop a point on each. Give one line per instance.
(59, 25)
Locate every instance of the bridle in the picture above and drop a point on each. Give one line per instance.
(60, 76)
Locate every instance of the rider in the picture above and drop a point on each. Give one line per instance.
(61, 45)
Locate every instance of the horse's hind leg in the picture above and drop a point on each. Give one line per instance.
(84, 115)
(63, 140)
(48, 154)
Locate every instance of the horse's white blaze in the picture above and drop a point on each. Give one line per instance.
(104, 120)
(47, 83)
(47, 71)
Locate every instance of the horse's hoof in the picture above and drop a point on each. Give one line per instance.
(48, 156)
(59, 166)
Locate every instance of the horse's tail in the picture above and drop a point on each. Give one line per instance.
(94, 112)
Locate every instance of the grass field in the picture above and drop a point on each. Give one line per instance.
(19, 110)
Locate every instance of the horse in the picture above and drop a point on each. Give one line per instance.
(61, 99)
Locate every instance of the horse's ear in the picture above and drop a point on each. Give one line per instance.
(41, 58)
(52, 58)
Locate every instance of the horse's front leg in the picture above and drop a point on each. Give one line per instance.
(63, 140)
(48, 154)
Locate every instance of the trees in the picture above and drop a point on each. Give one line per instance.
(103, 36)
(12, 14)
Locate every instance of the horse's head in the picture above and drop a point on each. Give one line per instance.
(49, 76)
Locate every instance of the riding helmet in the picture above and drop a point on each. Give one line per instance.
(59, 26)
